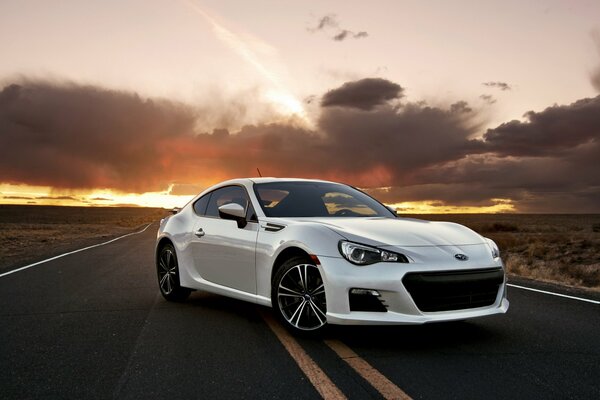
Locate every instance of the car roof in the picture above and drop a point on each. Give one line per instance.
(270, 180)
(248, 182)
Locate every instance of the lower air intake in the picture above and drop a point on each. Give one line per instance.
(454, 290)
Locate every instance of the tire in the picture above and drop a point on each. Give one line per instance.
(167, 270)
(298, 297)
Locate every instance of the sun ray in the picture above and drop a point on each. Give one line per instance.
(284, 100)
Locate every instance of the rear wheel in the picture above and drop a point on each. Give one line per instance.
(167, 270)
(298, 296)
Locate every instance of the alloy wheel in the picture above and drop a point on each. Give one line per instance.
(167, 271)
(301, 297)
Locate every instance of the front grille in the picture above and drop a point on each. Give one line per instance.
(454, 290)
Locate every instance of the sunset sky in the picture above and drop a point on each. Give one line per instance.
(439, 106)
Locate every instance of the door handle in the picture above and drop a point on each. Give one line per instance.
(199, 232)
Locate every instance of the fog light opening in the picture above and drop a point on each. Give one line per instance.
(363, 292)
(369, 300)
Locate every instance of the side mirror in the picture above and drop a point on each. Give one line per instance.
(392, 209)
(234, 212)
(175, 210)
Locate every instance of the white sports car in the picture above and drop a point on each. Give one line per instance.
(320, 252)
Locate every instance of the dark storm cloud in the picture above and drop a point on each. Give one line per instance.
(550, 184)
(57, 198)
(309, 99)
(327, 21)
(81, 137)
(595, 76)
(562, 182)
(344, 34)
(330, 22)
(595, 79)
(364, 94)
(488, 98)
(17, 197)
(70, 136)
(397, 141)
(499, 85)
(460, 107)
(76, 137)
(568, 183)
(548, 163)
(555, 130)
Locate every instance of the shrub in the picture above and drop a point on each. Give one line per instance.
(504, 227)
(497, 227)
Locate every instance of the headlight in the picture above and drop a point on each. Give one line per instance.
(494, 248)
(360, 254)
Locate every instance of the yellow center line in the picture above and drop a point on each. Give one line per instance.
(326, 388)
(382, 384)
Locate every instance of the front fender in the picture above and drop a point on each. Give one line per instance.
(311, 238)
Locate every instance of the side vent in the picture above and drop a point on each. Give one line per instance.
(271, 227)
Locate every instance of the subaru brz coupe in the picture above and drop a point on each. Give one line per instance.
(321, 253)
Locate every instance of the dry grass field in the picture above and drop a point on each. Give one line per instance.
(563, 249)
(30, 233)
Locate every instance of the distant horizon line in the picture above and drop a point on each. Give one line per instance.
(400, 213)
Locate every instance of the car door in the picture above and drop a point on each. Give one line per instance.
(224, 253)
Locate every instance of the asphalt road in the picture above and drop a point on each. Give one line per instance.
(93, 325)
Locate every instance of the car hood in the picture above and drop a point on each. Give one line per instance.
(400, 231)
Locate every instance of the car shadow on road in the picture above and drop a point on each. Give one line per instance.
(216, 303)
(440, 336)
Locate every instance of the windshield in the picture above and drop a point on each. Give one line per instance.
(316, 199)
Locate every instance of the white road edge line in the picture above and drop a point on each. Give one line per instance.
(73, 252)
(554, 294)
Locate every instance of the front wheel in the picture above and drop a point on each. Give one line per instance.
(298, 296)
(167, 269)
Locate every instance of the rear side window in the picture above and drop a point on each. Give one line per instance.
(226, 195)
(201, 203)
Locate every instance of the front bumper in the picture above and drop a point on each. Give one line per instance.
(340, 277)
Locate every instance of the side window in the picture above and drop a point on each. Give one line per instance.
(225, 195)
(201, 203)
(251, 214)
(270, 198)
